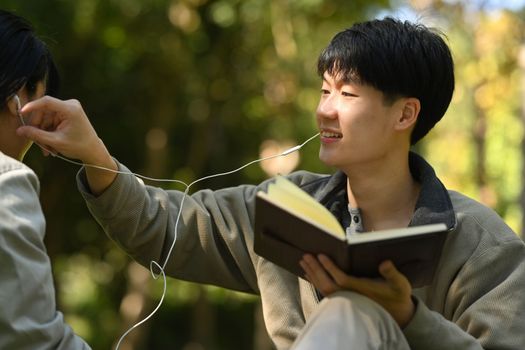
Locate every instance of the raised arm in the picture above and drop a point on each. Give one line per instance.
(63, 127)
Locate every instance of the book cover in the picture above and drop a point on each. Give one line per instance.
(289, 224)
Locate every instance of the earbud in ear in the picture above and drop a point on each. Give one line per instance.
(18, 104)
(18, 108)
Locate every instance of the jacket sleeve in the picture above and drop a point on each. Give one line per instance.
(213, 242)
(484, 306)
(28, 316)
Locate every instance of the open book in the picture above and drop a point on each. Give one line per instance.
(290, 223)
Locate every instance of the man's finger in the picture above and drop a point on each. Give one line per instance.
(339, 276)
(318, 276)
(392, 276)
(365, 286)
(46, 102)
(36, 134)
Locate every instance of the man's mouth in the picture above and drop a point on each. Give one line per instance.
(331, 135)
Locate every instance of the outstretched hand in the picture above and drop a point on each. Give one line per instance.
(393, 292)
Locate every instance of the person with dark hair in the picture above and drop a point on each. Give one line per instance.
(28, 315)
(401, 59)
(385, 84)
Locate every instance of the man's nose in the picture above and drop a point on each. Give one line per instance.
(327, 107)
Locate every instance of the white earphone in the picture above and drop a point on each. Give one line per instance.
(18, 108)
(158, 265)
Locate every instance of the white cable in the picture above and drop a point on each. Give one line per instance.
(18, 108)
(285, 153)
(156, 308)
(154, 263)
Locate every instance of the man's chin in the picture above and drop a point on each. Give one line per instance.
(327, 159)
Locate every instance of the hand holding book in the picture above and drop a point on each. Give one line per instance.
(393, 292)
(290, 223)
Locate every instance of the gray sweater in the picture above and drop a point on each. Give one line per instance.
(28, 316)
(476, 301)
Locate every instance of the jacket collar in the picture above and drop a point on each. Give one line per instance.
(433, 204)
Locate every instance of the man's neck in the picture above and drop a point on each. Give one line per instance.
(385, 192)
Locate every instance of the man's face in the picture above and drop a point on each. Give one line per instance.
(356, 125)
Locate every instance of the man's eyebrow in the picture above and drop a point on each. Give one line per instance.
(343, 79)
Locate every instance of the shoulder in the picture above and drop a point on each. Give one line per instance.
(21, 216)
(324, 188)
(14, 173)
(308, 180)
(302, 178)
(481, 226)
(8, 164)
(467, 208)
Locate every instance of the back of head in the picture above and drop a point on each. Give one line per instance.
(24, 58)
(401, 59)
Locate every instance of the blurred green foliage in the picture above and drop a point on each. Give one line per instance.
(176, 89)
(187, 88)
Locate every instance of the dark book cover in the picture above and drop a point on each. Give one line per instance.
(283, 238)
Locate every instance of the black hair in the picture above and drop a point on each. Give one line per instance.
(24, 59)
(401, 59)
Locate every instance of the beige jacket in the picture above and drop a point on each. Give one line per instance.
(477, 300)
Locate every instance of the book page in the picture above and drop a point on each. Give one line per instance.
(396, 233)
(288, 195)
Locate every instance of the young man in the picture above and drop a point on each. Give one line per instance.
(385, 84)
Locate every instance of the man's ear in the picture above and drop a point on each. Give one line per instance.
(409, 114)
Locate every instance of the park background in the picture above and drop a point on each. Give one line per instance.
(186, 88)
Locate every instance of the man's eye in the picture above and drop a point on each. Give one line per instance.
(348, 94)
(325, 92)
